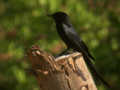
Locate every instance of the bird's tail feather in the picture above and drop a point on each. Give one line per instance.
(94, 71)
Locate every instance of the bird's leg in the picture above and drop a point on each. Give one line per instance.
(62, 53)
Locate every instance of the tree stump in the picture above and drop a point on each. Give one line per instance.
(67, 72)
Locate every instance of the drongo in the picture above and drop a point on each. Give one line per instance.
(72, 40)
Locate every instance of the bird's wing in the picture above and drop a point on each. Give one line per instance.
(74, 37)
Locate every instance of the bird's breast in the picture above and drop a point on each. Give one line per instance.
(62, 34)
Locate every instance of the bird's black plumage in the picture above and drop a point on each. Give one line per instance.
(68, 34)
(73, 41)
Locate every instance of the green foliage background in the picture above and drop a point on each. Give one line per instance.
(24, 23)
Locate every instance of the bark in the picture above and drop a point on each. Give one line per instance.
(68, 72)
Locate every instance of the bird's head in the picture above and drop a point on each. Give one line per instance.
(59, 17)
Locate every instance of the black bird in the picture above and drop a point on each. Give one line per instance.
(73, 41)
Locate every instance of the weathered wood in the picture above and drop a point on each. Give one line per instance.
(68, 72)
